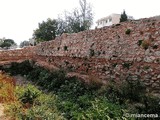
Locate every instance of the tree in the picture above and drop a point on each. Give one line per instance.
(46, 30)
(62, 26)
(123, 17)
(73, 21)
(79, 20)
(6, 43)
(24, 43)
(86, 14)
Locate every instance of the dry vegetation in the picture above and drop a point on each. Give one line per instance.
(7, 86)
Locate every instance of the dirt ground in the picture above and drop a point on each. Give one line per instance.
(2, 115)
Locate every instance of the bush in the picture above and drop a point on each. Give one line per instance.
(27, 95)
(151, 105)
(129, 90)
(73, 88)
(22, 68)
(102, 109)
(49, 80)
(133, 90)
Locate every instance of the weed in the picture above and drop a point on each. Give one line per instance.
(146, 67)
(128, 31)
(139, 42)
(91, 52)
(101, 108)
(145, 44)
(127, 65)
(28, 94)
(65, 48)
(155, 46)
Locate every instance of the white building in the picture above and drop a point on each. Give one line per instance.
(110, 20)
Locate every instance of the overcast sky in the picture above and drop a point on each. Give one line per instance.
(18, 18)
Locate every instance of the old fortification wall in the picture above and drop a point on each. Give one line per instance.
(16, 55)
(107, 53)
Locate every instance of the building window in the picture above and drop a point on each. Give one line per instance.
(110, 19)
(106, 21)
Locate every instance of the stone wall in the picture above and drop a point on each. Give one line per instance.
(130, 50)
(18, 54)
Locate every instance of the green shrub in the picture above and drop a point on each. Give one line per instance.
(129, 90)
(133, 90)
(27, 94)
(34, 74)
(102, 109)
(113, 93)
(151, 105)
(22, 68)
(44, 108)
(73, 88)
(50, 80)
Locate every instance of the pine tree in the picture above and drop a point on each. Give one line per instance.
(123, 17)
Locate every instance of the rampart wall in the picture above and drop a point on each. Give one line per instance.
(8, 56)
(130, 50)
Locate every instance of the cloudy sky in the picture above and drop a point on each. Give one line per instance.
(18, 18)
